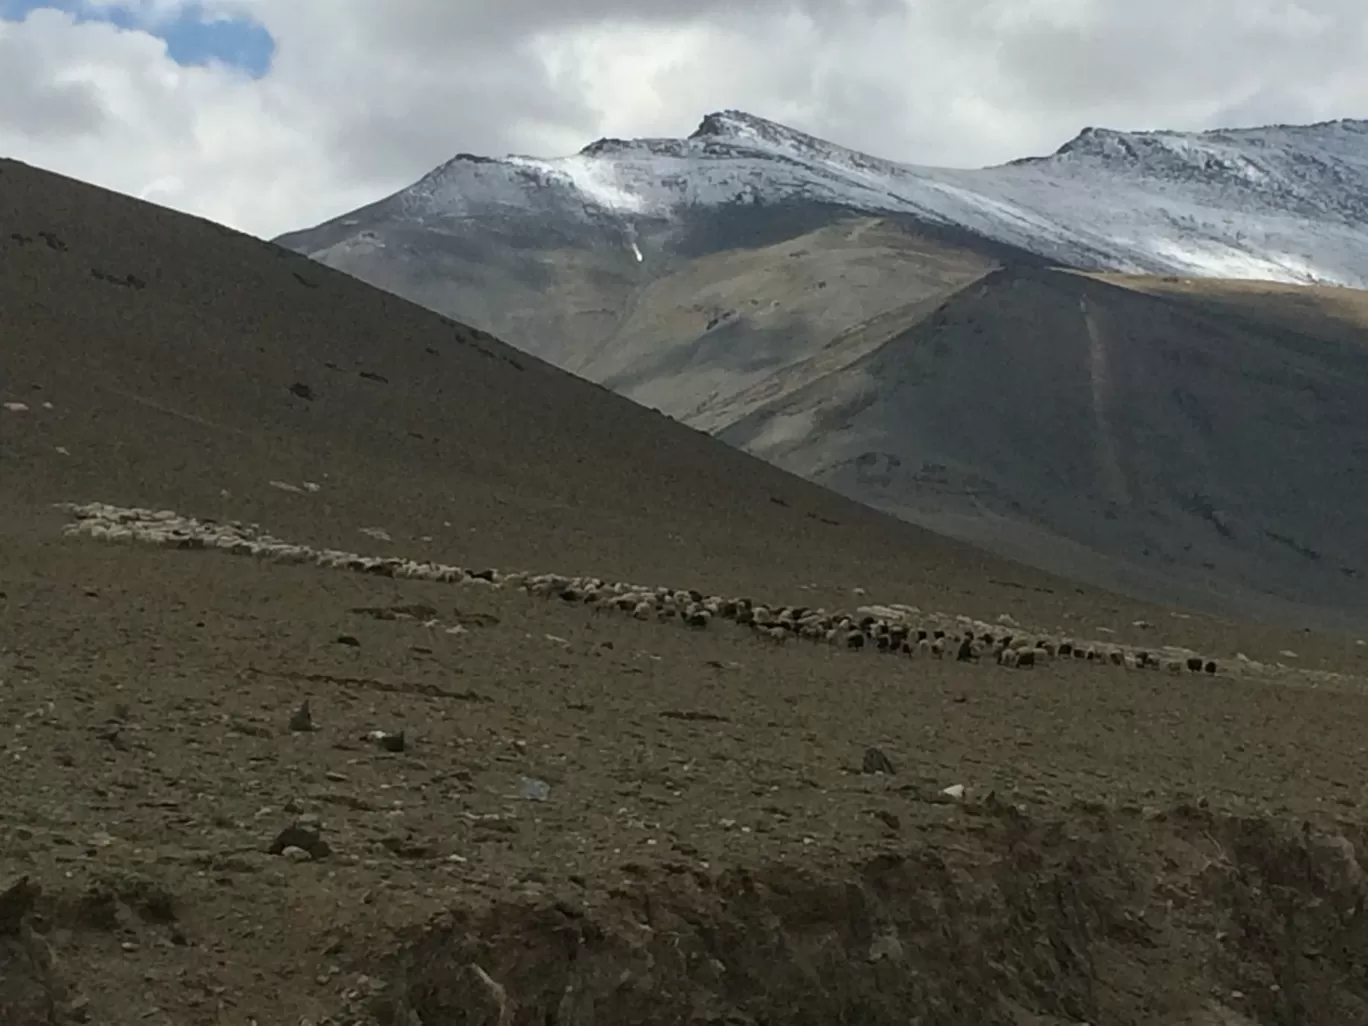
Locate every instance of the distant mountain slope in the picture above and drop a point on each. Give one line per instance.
(1135, 439)
(1287, 203)
(785, 293)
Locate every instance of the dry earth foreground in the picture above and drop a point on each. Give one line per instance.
(356, 669)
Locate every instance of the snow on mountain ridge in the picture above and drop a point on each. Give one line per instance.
(1318, 168)
(1284, 203)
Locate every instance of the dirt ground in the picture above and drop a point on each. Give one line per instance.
(592, 819)
(151, 765)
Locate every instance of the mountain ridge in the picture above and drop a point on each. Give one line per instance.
(1282, 203)
(737, 278)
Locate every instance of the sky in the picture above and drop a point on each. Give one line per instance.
(274, 115)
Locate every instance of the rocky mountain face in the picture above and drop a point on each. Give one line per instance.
(897, 332)
(1281, 203)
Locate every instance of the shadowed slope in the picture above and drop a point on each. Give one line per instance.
(1325, 311)
(169, 348)
(1175, 448)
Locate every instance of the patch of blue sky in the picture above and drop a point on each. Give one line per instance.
(192, 35)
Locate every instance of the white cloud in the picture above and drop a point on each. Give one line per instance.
(112, 108)
(362, 98)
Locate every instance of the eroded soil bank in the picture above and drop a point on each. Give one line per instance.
(1095, 917)
(1005, 916)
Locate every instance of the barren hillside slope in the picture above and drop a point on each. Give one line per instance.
(191, 366)
(349, 767)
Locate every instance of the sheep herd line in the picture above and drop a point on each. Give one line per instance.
(893, 629)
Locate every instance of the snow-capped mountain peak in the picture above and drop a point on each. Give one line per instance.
(738, 125)
(1288, 203)
(746, 131)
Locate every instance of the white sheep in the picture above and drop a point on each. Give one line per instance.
(888, 626)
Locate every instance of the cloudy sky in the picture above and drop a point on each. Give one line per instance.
(271, 115)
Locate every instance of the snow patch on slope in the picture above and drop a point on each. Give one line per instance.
(598, 181)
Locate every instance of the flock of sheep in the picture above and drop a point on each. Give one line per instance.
(894, 629)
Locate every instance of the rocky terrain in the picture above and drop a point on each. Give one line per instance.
(899, 333)
(316, 713)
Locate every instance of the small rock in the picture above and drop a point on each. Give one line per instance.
(391, 742)
(875, 761)
(301, 720)
(295, 854)
(886, 948)
(407, 848)
(955, 791)
(16, 902)
(347, 639)
(534, 790)
(110, 732)
(305, 838)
